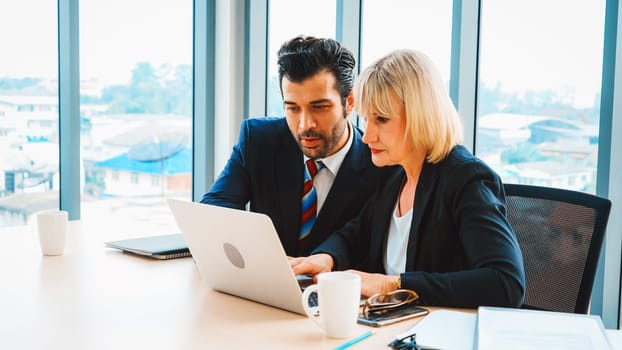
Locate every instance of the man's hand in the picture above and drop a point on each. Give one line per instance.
(312, 265)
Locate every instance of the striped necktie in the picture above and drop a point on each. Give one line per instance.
(309, 199)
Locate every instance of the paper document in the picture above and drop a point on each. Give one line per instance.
(505, 328)
(444, 329)
(615, 338)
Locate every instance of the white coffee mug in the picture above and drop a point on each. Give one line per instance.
(52, 226)
(338, 301)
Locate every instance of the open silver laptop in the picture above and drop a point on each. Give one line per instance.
(239, 253)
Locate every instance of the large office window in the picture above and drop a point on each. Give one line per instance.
(286, 19)
(29, 176)
(136, 111)
(418, 25)
(405, 24)
(539, 91)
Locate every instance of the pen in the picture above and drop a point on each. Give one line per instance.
(355, 340)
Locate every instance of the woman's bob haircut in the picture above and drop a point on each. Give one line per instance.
(432, 122)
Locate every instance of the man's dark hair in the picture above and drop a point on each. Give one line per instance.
(304, 56)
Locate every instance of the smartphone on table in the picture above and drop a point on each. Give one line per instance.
(392, 316)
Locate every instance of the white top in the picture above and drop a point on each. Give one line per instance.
(397, 243)
(323, 180)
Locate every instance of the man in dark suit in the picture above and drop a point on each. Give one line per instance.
(268, 165)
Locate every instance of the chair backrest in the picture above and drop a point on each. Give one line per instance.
(560, 233)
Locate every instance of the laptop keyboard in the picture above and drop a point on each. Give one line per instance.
(313, 299)
(304, 282)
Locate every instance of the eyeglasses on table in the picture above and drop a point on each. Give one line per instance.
(382, 302)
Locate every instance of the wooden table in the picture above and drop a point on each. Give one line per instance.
(94, 297)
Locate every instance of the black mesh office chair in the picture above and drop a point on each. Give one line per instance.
(560, 233)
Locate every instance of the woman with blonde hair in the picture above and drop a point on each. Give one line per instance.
(438, 226)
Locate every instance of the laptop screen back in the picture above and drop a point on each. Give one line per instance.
(239, 253)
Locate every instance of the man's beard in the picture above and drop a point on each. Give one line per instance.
(327, 143)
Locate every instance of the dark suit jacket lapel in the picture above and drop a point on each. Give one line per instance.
(425, 189)
(288, 163)
(347, 182)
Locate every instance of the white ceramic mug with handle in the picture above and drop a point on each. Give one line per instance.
(338, 300)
